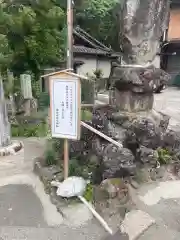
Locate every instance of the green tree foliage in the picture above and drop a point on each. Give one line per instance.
(5, 51)
(100, 18)
(34, 32)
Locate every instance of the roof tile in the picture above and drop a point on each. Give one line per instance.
(87, 50)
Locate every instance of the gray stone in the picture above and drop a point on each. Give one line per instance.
(134, 183)
(135, 223)
(109, 188)
(143, 25)
(171, 141)
(146, 131)
(159, 232)
(118, 236)
(47, 173)
(101, 120)
(81, 148)
(115, 187)
(11, 149)
(117, 162)
(132, 102)
(5, 137)
(143, 175)
(139, 132)
(146, 155)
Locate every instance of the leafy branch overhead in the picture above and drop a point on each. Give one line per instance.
(33, 33)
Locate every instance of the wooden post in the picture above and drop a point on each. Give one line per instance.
(66, 158)
(69, 65)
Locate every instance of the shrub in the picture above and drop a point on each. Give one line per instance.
(50, 157)
(88, 195)
(86, 115)
(29, 130)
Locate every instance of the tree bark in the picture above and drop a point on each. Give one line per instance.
(5, 138)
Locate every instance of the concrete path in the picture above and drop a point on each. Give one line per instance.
(168, 102)
(162, 202)
(26, 211)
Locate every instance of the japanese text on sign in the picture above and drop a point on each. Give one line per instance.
(64, 108)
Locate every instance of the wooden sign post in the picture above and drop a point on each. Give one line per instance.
(65, 109)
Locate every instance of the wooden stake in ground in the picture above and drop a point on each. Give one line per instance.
(66, 158)
(69, 65)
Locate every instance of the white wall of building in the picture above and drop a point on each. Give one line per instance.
(91, 64)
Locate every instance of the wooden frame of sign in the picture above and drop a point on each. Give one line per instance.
(65, 109)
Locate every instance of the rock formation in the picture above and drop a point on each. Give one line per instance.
(130, 117)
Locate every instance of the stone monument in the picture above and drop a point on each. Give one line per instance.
(7, 147)
(130, 118)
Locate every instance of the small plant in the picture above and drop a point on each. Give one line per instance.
(164, 156)
(88, 195)
(50, 154)
(86, 115)
(29, 130)
(43, 100)
(50, 157)
(74, 168)
(15, 132)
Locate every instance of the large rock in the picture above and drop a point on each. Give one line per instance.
(146, 156)
(171, 141)
(147, 132)
(118, 162)
(140, 133)
(131, 119)
(101, 120)
(132, 88)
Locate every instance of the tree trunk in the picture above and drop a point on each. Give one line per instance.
(5, 138)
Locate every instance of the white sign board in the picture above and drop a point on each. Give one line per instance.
(65, 107)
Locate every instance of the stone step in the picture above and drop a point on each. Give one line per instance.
(135, 223)
(159, 232)
(91, 232)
